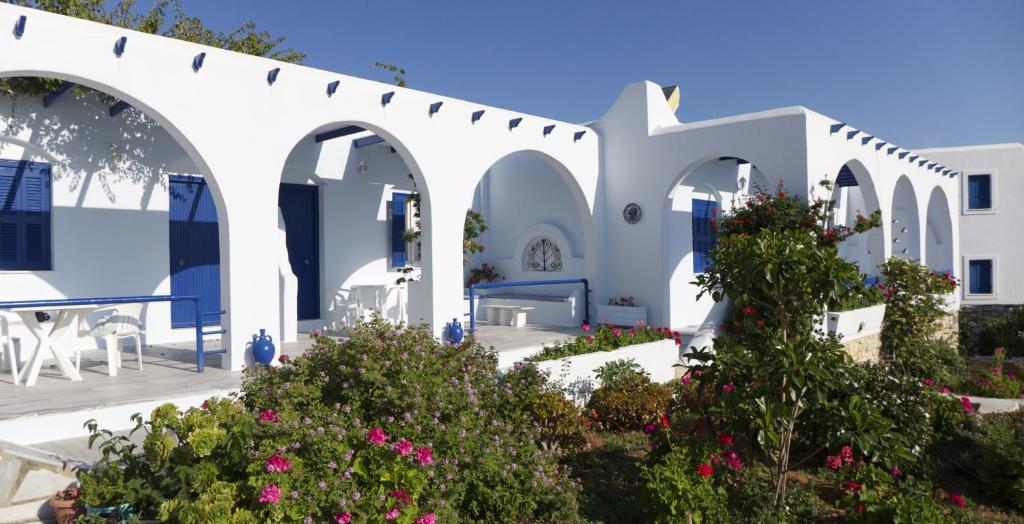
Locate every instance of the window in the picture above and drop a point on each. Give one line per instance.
(704, 212)
(542, 254)
(979, 191)
(24, 215)
(980, 275)
(402, 218)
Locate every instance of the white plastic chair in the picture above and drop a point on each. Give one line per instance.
(347, 307)
(122, 322)
(7, 341)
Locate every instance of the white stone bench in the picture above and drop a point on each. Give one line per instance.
(514, 316)
(562, 308)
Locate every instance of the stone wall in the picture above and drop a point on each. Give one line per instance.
(864, 349)
(972, 325)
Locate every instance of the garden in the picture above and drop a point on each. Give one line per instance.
(773, 423)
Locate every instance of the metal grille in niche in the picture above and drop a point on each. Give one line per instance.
(543, 255)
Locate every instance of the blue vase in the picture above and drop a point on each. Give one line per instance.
(263, 348)
(454, 331)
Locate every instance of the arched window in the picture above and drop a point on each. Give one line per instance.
(542, 254)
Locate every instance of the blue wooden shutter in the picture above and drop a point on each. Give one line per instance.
(846, 178)
(979, 192)
(981, 276)
(25, 209)
(703, 234)
(398, 229)
(194, 247)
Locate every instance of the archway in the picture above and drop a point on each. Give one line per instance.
(351, 212)
(939, 250)
(538, 227)
(853, 194)
(701, 192)
(906, 230)
(126, 187)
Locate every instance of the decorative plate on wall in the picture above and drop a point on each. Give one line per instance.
(632, 213)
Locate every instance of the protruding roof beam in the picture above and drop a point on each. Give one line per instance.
(548, 129)
(903, 154)
(52, 98)
(19, 26)
(514, 123)
(913, 158)
(864, 141)
(367, 141)
(118, 108)
(272, 75)
(477, 115)
(385, 99)
(337, 133)
(333, 87)
(835, 128)
(922, 162)
(891, 150)
(879, 145)
(197, 62)
(851, 134)
(578, 135)
(435, 107)
(119, 45)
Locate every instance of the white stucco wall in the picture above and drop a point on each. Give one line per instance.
(991, 233)
(109, 200)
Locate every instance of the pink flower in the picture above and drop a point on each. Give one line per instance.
(846, 452)
(427, 518)
(725, 439)
(377, 436)
(957, 499)
(343, 518)
(705, 470)
(686, 380)
(966, 403)
(402, 497)
(392, 514)
(698, 372)
(403, 447)
(896, 472)
(271, 494)
(585, 327)
(424, 456)
(852, 486)
(944, 389)
(276, 463)
(650, 427)
(617, 332)
(268, 415)
(833, 462)
(732, 459)
(928, 382)
(728, 388)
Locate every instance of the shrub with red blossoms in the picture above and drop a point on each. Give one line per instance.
(276, 463)
(705, 470)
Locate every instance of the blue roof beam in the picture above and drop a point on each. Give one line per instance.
(52, 98)
(197, 62)
(435, 107)
(118, 108)
(19, 26)
(385, 99)
(835, 128)
(477, 115)
(514, 123)
(333, 87)
(272, 75)
(548, 129)
(119, 46)
(578, 135)
(851, 134)
(891, 150)
(864, 141)
(367, 141)
(338, 133)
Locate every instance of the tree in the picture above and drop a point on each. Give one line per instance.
(164, 18)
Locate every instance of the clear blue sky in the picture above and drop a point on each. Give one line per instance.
(914, 72)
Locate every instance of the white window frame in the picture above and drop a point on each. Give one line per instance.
(993, 178)
(413, 250)
(966, 281)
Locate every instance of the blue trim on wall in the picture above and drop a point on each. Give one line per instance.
(25, 216)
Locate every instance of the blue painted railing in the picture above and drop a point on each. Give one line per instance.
(105, 301)
(492, 285)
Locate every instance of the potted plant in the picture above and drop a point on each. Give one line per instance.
(484, 273)
(622, 311)
(66, 506)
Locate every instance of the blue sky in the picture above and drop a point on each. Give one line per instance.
(914, 72)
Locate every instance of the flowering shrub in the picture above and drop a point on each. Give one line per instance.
(605, 338)
(1004, 331)
(996, 382)
(560, 424)
(683, 486)
(484, 273)
(1001, 462)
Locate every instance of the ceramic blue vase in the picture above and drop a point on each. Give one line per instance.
(455, 332)
(263, 348)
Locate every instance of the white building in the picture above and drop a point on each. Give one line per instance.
(271, 189)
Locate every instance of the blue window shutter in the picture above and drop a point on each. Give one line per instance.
(25, 209)
(398, 229)
(703, 234)
(846, 178)
(979, 191)
(981, 276)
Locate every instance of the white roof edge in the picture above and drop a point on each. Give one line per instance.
(746, 117)
(979, 147)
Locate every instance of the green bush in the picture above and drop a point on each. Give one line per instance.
(675, 490)
(1001, 463)
(627, 400)
(996, 382)
(1005, 331)
(388, 425)
(605, 338)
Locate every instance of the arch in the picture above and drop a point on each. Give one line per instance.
(356, 190)
(854, 193)
(938, 243)
(725, 180)
(905, 221)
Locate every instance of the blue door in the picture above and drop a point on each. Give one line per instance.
(300, 208)
(195, 249)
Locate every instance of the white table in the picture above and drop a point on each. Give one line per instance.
(375, 296)
(67, 317)
(514, 316)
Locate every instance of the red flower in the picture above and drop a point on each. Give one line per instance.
(206, 404)
(664, 421)
(846, 453)
(282, 359)
(896, 472)
(725, 439)
(966, 403)
(833, 462)
(585, 327)
(852, 486)
(728, 388)
(705, 470)
(747, 311)
(957, 499)
(760, 323)
(859, 508)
